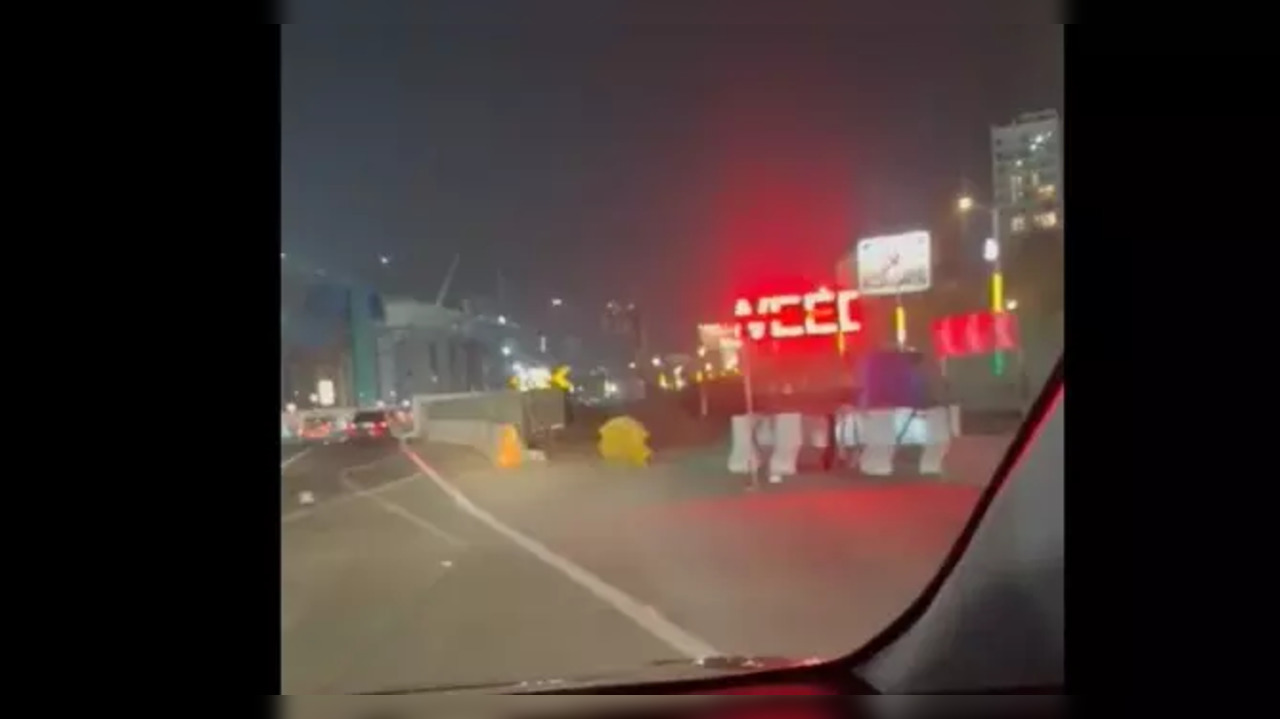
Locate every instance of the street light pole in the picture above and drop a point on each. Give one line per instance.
(997, 287)
(992, 253)
(900, 321)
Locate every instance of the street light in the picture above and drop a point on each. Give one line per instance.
(556, 301)
(991, 253)
(1011, 305)
(384, 259)
(657, 361)
(991, 250)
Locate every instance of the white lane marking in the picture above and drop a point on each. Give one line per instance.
(345, 472)
(400, 511)
(645, 616)
(293, 458)
(297, 514)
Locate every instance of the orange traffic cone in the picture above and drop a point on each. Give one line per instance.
(510, 453)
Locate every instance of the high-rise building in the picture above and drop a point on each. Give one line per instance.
(624, 332)
(1026, 161)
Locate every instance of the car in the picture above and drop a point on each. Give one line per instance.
(370, 426)
(317, 429)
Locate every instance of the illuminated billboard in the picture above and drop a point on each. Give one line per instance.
(895, 264)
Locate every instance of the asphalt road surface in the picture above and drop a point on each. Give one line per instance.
(322, 473)
(289, 450)
(573, 568)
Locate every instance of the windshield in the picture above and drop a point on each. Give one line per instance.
(694, 341)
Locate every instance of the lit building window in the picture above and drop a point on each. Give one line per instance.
(1047, 219)
(1018, 223)
(1047, 191)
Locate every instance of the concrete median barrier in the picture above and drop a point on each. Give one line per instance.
(499, 442)
(495, 424)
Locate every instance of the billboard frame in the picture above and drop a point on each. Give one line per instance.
(911, 241)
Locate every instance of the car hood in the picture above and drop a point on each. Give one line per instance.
(659, 671)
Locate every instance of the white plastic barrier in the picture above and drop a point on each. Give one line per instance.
(744, 453)
(788, 438)
(938, 433)
(783, 436)
(879, 431)
(875, 434)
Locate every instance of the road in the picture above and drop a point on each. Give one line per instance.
(573, 568)
(290, 450)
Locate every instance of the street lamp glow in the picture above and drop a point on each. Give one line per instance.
(284, 256)
(965, 203)
(506, 351)
(631, 365)
(657, 361)
(991, 250)
(384, 260)
(556, 301)
(1011, 305)
(502, 319)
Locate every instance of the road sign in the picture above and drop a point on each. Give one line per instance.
(895, 264)
(560, 378)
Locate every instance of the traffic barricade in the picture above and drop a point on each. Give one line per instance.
(868, 440)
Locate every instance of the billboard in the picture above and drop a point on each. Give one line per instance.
(895, 264)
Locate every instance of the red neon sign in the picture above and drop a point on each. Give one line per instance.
(819, 313)
(975, 333)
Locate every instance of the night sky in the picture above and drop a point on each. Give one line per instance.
(664, 165)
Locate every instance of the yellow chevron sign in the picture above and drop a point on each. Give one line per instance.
(560, 378)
